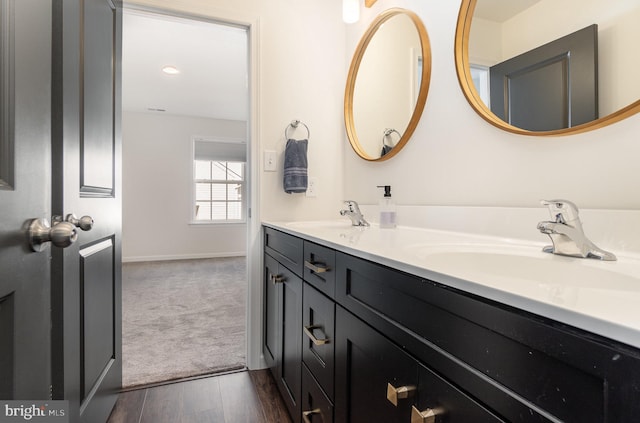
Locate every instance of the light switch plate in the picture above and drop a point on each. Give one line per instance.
(270, 161)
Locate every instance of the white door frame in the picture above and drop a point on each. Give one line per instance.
(254, 307)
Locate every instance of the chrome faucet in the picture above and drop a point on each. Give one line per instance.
(565, 231)
(353, 212)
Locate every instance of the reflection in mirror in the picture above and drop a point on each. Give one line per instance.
(491, 32)
(387, 140)
(387, 85)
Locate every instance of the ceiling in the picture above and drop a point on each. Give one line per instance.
(212, 59)
(501, 10)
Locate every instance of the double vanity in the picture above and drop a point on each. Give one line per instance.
(364, 324)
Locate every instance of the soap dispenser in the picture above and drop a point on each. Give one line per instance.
(387, 209)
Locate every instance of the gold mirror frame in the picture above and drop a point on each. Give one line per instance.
(425, 78)
(463, 69)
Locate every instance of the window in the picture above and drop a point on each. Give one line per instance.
(218, 182)
(481, 80)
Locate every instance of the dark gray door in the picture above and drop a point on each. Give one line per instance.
(86, 277)
(60, 153)
(25, 181)
(551, 87)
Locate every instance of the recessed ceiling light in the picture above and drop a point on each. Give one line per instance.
(170, 70)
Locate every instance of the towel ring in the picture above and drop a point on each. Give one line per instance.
(294, 124)
(387, 133)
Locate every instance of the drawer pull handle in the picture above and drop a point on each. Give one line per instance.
(316, 267)
(310, 335)
(278, 279)
(306, 414)
(394, 394)
(430, 415)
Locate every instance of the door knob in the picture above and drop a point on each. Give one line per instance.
(85, 222)
(60, 234)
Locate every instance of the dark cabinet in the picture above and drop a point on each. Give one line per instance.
(299, 323)
(289, 369)
(285, 248)
(319, 267)
(376, 381)
(437, 397)
(272, 332)
(282, 287)
(316, 406)
(349, 340)
(318, 336)
(523, 367)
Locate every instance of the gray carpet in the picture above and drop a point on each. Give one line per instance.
(182, 318)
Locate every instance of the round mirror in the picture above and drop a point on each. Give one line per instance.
(543, 67)
(387, 85)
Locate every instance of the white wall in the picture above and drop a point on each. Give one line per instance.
(157, 170)
(456, 158)
(301, 75)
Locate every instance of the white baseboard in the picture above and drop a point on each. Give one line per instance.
(132, 259)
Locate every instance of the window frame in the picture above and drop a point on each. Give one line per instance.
(194, 182)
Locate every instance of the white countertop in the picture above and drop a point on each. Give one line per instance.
(597, 296)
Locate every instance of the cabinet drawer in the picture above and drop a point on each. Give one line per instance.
(318, 338)
(285, 248)
(538, 362)
(316, 406)
(447, 401)
(320, 267)
(379, 382)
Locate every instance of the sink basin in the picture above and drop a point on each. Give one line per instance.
(528, 266)
(320, 224)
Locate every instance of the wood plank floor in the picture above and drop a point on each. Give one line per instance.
(248, 396)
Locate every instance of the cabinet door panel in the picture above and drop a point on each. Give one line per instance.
(271, 313)
(283, 331)
(289, 375)
(366, 364)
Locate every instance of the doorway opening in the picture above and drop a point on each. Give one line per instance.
(185, 130)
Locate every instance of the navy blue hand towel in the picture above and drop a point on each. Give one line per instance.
(295, 166)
